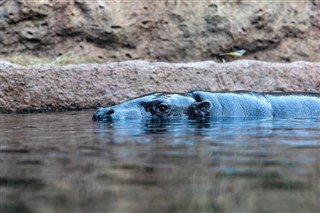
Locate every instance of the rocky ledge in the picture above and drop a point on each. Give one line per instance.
(173, 31)
(74, 87)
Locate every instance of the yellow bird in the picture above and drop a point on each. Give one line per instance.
(236, 54)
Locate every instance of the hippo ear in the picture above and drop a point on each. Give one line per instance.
(199, 109)
(204, 106)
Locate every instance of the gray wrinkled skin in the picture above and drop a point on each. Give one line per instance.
(197, 104)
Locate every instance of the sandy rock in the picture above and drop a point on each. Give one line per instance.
(174, 31)
(53, 88)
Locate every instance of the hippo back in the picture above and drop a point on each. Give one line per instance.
(235, 104)
(254, 104)
(294, 105)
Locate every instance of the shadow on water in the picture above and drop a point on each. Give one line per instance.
(63, 162)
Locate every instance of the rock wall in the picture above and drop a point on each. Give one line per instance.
(54, 88)
(171, 30)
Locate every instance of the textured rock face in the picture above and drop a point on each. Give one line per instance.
(175, 31)
(48, 87)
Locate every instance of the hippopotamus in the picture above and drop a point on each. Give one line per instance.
(200, 104)
(151, 105)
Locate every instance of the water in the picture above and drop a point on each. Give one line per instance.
(64, 162)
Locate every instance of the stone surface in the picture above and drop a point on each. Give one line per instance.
(174, 31)
(54, 88)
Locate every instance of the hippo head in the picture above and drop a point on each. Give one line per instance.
(161, 105)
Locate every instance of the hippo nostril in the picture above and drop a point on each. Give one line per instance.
(110, 112)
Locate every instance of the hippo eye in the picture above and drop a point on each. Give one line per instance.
(162, 108)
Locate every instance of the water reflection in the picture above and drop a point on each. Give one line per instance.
(286, 131)
(63, 162)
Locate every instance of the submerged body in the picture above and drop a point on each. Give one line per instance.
(196, 104)
(266, 105)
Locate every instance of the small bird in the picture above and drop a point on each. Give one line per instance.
(236, 54)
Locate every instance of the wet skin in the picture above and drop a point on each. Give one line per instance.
(197, 104)
(162, 105)
(264, 105)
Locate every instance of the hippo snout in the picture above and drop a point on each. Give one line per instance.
(103, 114)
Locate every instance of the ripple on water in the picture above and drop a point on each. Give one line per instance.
(59, 162)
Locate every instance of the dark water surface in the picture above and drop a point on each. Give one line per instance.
(64, 162)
